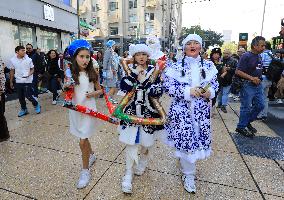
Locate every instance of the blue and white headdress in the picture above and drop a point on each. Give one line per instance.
(76, 44)
(190, 37)
(110, 43)
(137, 48)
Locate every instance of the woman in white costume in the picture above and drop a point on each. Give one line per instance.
(191, 82)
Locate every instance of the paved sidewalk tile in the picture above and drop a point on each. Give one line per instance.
(42, 173)
(58, 137)
(271, 197)
(267, 174)
(151, 185)
(5, 195)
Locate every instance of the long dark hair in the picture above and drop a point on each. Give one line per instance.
(91, 73)
(49, 52)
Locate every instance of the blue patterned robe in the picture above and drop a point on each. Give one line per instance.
(189, 125)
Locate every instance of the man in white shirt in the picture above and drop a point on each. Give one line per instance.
(22, 69)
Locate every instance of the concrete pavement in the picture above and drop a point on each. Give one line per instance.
(42, 160)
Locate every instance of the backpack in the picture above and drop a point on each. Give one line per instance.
(274, 70)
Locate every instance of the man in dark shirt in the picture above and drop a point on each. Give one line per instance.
(252, 101)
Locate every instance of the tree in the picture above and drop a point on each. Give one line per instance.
(209, 37)
(232, 46)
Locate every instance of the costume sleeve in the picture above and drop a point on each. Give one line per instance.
(176, 89)
(127, 83)
(214, 87)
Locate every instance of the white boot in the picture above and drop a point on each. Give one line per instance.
(131, 155)
(140, 168)
(188, 169)
(126, 184)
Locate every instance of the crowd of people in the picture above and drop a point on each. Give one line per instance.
(195, 81)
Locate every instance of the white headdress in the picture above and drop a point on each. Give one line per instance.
(154, 43)
(194, 37)
(136, 48)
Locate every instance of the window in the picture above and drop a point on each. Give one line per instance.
(149, 29)
(132, 4)
(93, 5)
(66, 2)
(49, 40)
(112, 6)
(113, 30)
(133, 18)
(132, 30)
(149, 17)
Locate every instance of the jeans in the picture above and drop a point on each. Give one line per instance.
(266, 85)
(223, 95)
(35, 83)
(25, 90)
(252, 103)
(54, 86)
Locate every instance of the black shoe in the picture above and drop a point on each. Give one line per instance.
(262, 118)
(223, 108)
(219, 106)
(244, 132)
(251, 129)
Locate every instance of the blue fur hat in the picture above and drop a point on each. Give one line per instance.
(110, 43)
(76, 44)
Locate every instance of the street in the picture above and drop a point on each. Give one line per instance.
(42, 160)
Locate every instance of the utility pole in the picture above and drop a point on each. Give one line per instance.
(78, 15)
(263, 17)
(170, 26)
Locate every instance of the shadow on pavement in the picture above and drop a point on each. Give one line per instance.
(261, 146)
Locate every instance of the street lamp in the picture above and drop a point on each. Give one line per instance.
(263, 17)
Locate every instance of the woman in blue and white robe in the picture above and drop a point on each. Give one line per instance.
(189, 125)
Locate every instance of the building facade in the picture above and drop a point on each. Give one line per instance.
(46, 24)
(128, 20)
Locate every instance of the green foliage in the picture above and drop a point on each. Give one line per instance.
(232, 46)
(210, 38)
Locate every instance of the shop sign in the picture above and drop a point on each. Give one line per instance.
(48, 12)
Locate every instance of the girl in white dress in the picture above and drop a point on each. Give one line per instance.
(81, 125)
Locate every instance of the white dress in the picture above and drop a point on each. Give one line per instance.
(82, 125)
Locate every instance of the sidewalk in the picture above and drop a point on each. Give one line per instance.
(42, 161)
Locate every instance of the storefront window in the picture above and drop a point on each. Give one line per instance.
(15, 31)
(23, 35)
(26, 35)
(49, 40)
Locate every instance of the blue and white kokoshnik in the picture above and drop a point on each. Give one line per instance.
(76, 44)
(189, 126)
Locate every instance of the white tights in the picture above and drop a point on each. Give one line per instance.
(187, 168)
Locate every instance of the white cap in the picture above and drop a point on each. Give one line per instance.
(190, 37)
(136, 48)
